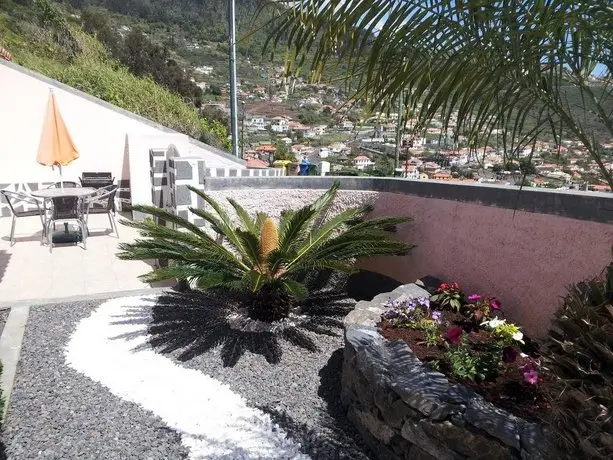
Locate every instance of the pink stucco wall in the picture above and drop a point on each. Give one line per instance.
(525, 259)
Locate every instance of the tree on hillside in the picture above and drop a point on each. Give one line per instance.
(51, 18)
(384, 165)
(283, 152)
(213, 113)
(517, 66)
(141, 55)
(526, 166)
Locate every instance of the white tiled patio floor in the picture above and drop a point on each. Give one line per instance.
(29, 271)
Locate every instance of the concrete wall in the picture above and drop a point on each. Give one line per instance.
(523, 248)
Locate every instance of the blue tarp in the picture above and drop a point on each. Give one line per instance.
(304, 167)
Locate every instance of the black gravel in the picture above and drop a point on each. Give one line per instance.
(276, 372)
(4, 314)
(294, 375)
(57, 413)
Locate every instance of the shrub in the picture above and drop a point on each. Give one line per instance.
(259, 256)
(579, 351)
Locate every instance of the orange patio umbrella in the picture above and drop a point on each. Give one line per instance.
(56, 147)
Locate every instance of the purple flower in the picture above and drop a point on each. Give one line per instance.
(495, 304)
(424, 302)
(531, 377)
(455, 335)
(436, 316)
(509, 355)
(474, 297)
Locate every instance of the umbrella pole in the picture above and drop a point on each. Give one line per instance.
(62, 187)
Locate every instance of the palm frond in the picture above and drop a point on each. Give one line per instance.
(186, 272)
(320, 235)
(163, 215)
(478, 66)
(249, 223)
(295, 227)
(298, 290)
(251, 244)
(223, 223)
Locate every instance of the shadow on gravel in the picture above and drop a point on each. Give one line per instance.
(335, 437)
(4, 262)
(195, 322)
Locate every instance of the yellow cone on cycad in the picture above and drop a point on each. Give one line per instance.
(269, 239)
(56, 147)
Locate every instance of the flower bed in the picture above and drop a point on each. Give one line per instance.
(406, 409)
(466, 338)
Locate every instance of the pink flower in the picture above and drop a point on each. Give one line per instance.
(455, 335)
(495, 304)
(531, 377)
(474, 297)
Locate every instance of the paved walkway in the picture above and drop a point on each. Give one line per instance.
(29, 271)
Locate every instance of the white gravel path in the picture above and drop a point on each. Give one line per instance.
(213, 421)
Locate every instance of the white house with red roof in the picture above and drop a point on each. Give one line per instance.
(363, 162)
(279, 124)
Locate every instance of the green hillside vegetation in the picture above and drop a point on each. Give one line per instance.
(192, 32)
(43, 37)
(193, 20)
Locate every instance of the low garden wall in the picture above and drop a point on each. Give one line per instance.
(405, 410)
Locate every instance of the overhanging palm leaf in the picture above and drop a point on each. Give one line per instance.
(306, 241)
(478, 65)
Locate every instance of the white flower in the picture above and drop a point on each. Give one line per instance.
(518, 336)
(494, 323)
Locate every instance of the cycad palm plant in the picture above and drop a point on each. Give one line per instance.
(258, 256)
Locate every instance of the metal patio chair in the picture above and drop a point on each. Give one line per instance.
(103, 202)
(66, 208)
(16, 202)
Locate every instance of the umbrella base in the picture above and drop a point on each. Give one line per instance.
(67, 237)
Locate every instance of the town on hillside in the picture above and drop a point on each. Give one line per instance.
(288, 124)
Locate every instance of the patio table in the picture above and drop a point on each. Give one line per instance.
(50, 193)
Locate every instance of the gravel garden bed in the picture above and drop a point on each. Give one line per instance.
(277, 372)
(78, 396)
(56, 412)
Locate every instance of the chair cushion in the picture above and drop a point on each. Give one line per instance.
(35, 212)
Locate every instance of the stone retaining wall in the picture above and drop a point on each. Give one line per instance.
(405, 410)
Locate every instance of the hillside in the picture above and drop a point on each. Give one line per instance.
(195, 32)
(46, 38)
